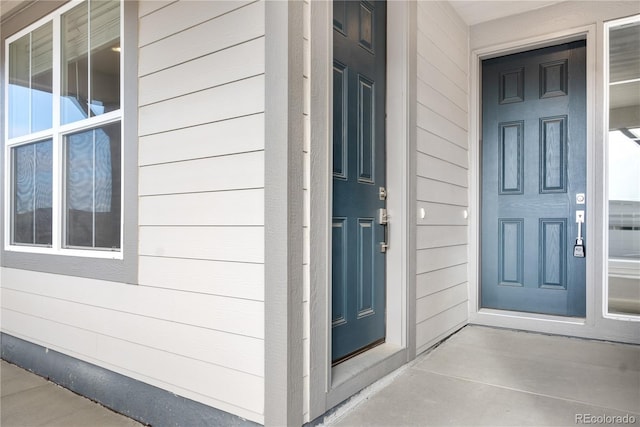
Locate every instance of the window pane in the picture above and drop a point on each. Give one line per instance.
(624, 197)
(624, 53)
(75, 74)
(92, 179)
(91, 60)
(41, 78)
(19, 85)
(32, 197)
(30, 82)
(624, 169)
(105, 56)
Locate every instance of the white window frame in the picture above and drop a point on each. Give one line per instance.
(57, 133)
(613, 267)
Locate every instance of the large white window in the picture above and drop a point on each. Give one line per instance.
(623, 168)
(63, 133)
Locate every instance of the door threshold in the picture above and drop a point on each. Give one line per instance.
(357, 352)
(531, 316)
(351, 376)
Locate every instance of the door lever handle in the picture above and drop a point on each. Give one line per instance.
(580, 221)
(383, 219)
(384, 246)
(578, 248)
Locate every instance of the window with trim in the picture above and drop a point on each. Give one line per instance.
(63, 133)
(623, 169)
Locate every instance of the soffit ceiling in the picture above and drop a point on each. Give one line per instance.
(475, 12)
(7, 7)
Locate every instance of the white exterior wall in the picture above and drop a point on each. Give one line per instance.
(194, 322)
(442, 173)
(201, 112)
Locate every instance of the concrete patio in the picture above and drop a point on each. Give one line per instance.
(479, 376)
(495, 377)
(29, 400)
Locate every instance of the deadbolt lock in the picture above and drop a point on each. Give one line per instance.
(383, 219)
(382, 193)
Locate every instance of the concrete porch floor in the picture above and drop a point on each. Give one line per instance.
(493, 377)
(479, 376)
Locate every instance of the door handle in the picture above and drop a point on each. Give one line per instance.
(578, 248)
(384, 246)
(383, 219)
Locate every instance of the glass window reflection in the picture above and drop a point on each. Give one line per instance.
(31, 82)
(32, 193)
(92, 178)
(91, 60)
(624, 169)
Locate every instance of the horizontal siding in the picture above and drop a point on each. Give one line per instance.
(457, 76)
(238, 244)
(438, 327)
(441, 301)
(237, 316)
(429, 73)
(437, 280)
(193, 324)
(220, 138)
(222, 278)
(429, 190)
(442, 105)
(435, 236)
(241, 393)
(233, 172)
(243, 61)
(201, 179)
(237, 208)
(441, 214)
(174, 18)
(239, 98)
(441, 170)
(444, 127)
(440, 148)
(439, 38)
(149, 6)
(229, 351)
(442, 257)
(442, 173)
(451, 30)
(231, 29)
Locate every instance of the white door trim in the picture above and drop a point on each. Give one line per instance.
(329, 386)
(594, 325)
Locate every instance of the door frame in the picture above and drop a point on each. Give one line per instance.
(330, 386)
(594, 325)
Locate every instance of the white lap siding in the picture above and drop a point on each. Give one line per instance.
(442, 173)
(201, 188)
(194, 322)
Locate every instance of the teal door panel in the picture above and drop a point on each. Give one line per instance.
(533, 167)
(358, 265)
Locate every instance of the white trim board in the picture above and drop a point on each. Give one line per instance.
(284, 133)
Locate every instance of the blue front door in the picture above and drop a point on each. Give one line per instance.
(358, 260)
(534, 181)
